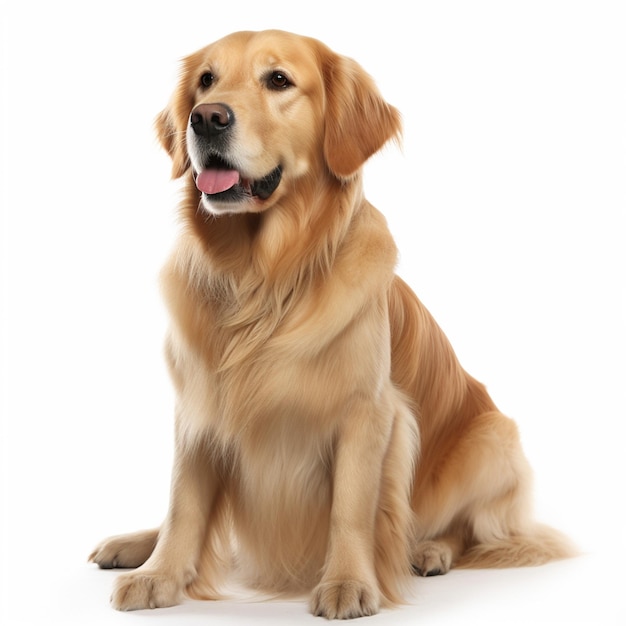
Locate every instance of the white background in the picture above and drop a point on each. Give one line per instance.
(507, 202)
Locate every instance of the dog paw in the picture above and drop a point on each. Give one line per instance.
(130, 550)
(345, 600)
(432, 558)
(145, 590)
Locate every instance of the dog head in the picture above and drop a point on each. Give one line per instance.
(256, 111)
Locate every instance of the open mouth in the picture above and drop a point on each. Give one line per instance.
(220, 181)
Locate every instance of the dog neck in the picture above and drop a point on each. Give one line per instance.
(281, 240)
(253, 266)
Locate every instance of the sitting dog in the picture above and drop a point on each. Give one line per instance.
(327, 439)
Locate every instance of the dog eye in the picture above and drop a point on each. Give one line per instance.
(278, 80)
(206, 80)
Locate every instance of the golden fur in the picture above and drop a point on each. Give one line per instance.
(327, 439)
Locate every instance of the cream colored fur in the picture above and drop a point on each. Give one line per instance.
(327, 439)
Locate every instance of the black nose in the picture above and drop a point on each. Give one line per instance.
(208, 120)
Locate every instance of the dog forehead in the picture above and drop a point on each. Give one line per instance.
(249, 52)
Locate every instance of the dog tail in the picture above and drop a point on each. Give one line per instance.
(538, 546)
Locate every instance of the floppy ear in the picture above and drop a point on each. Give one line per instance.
(173, 140)
(358, 122)
(171, 123)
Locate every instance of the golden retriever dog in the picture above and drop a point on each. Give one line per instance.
(327, 440)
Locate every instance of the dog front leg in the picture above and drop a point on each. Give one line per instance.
(161, 580)
(349, 587)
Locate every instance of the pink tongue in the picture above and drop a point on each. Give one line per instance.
(215, 181)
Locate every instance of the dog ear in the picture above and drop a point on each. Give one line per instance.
(358, 122)
(173, 140)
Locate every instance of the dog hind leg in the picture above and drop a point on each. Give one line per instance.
(474, 511)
